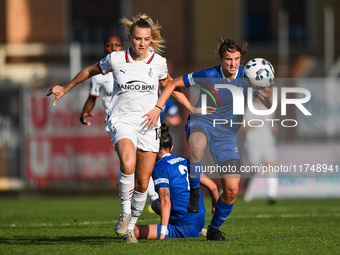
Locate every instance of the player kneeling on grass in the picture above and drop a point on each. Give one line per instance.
(172, 184)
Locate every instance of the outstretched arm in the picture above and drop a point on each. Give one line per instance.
(83, 75)
(165, 207)
(88, 107)
(183, 100)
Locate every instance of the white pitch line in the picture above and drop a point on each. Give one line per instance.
(258, 216)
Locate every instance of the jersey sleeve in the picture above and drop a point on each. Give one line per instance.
(164, 71)
(160, 177)
(189, 79)
(105, 65)
(94, 87)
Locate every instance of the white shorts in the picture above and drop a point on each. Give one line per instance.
(260, 154)
(143, 139)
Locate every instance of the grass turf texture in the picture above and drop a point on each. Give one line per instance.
(86, 226)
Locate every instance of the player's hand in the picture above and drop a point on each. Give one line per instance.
(152, 118)
(58, 91)
(161, 236)
(83, 118)
(267, 92)
(198, 110)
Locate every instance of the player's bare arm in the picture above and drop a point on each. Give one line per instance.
(213, 190)
(182, 99)
(153, 115)
(165, 206)
(83, 75)
(86, 112)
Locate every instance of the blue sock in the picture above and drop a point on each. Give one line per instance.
(195, 170)
(222, 211)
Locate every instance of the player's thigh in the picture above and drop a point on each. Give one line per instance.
(144, 166)
(254, 155)
(270, 154)
(197, 143)
(126, 151)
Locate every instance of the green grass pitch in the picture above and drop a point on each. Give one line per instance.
(86, 226)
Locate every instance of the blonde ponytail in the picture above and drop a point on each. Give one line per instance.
(157, 42)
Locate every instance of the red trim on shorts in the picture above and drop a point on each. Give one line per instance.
(94, 95)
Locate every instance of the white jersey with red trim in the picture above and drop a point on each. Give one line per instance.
(102, 83)
(135, 90)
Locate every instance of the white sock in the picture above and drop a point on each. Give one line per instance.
(126, 184)
(272, 187)
(137, 206)
(152, 194)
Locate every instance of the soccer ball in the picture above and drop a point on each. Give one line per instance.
(258, 73)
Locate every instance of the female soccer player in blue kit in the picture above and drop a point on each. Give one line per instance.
(222, 138)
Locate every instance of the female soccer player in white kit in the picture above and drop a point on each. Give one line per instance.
(105, 83)
(135, 109)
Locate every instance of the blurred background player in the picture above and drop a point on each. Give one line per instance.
(172, 184)
(260, 149)
(112, 42)
(105, 83)
(222, 138)
(170, 113)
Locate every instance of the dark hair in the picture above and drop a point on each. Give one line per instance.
(109, 35)
(166, 139)
(231, 46)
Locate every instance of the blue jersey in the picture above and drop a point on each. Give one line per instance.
(224, 99)
(171, 172)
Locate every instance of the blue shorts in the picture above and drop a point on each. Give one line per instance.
(222, 148)
(191, 230)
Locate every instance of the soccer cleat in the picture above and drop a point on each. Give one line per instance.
(194, 199)
(215, 234)
(203, 232)
(122, 224)
(130, 237)
(271, 201)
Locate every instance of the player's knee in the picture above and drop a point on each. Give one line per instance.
(127, 166)
(230, 194)
(141, 186)
(196, 152)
